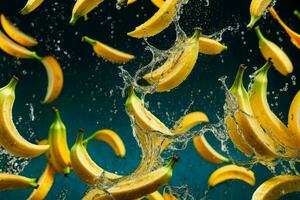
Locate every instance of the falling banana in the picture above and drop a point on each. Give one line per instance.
(294, 117)
(45, 183)
(295, 37)
(158, 22)
(169, 196)
(257, 9)
(107, 52)
(277, 187)
(17, 35)
(136, 188)
(209, 46)
(173, 73)
(273, 126)
(111, 138)
(270, 50)
(231, 172)
(10, 138)
(12, 182)
(30, 6)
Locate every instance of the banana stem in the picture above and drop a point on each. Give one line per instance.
(296, 13)
(57, 114)
(173, 161)
(34, 55)
(259, 33)
(265, 68)
(88, 40)
(24, 11)
(239, 76)
(74, 19)
(80, 136)
(252, 22)
(197, 33)
(129, 91)
(34, 184)
(13, 83)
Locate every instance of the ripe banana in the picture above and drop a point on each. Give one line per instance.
(58, 153)
(295, 37)
(14, 49)
(257, 9)
(263, 145)
(173, 73)
(294, 117)
(82, 8)
(277, 187)
(273, 126)
(10, 138)
(296, 13)
(55, 78)
(111, 138)
(270, 50)
(136, 188)
(30, 6)
(169, 197)
(231, 172)
(45, 183)
(209, 46)
(17, 35)
(107, 52)
(11, 182)
(158, 22)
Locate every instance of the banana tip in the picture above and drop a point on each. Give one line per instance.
(175, 158)
(15, 78)
(54, 109)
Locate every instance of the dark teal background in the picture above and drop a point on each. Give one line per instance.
(91, 97)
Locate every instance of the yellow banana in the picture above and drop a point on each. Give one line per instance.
(111, 138)
(158, 22)
(30, 6)
(231, 172)
(12, 182)
(14, 49)
(17, 35)
(155, 196)
(176, 72)
(296, 13)
(270, 50)
(45, 183)
(107, 52)
(136, 188)
(209, 46)
(295, 37)
(257, 9)
(10, 138)
(277, 187)
(294, 117)
(169, 197)
(82, 8)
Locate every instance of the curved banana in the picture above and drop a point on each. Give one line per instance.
(82, 8)
(111, 138)
(209, 46)
(17, 35)
(14, 49)
(136, 188)
(294, 117)
(270, 50)
(30, 6)
(155, 196)
(12, 182)
(169, 197)
(231, 172)
(248, 127)
(58, 153)
(296, 13)
(295, 37)
(174, 73)
(10, 138)
(107, 52)
(273, 126)
(158, 22)
(55, 78)
(45, 183)
(257, 9)
(277, 187)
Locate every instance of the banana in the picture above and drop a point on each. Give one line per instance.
(155, 196)
(14, 49)
(231, 172)
(209, 46)
(82, 8)
(55, 78)
(169, 196)
(294, 117)
(176, 72)
(158, 3)
(107, 52)
(277, 187)
(158, 22)
(10, 138)
(12, 182)
(295, 37)
(45, 183)
(136, 188)
(17, 35)
(249, 127)
(30, 6)
(270, 50)
(296, 13)
(257, 9)
(111, 138)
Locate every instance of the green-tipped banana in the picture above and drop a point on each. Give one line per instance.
(257, 9)
(12, 182)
